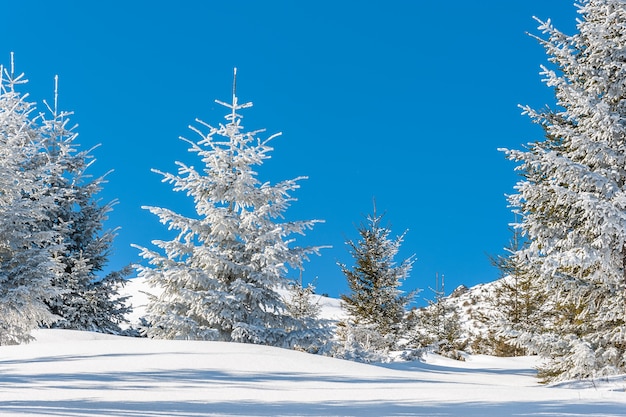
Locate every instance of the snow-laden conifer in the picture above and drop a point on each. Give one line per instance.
(303, 304)
(26, 265)
(376, 305)
(221, 274)
(573, 196)
(86, 301)
(300, 300)
(437, 327)
(520, 299)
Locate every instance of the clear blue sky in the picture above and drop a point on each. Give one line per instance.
(402, 101)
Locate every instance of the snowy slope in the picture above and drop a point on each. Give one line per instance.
(80, 374)
(475, 308)
(67, 373)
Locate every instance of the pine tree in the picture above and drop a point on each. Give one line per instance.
(437, 326)
(26, 265)
(314, 333)
(520, 300)
(85, 300)
(220, 276)
(572, 196)
(376, 305)
(300, 303)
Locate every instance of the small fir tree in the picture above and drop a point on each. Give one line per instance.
(303, 305)
(520, 300)
(437, 327)
(300, 300)
(376, 305)
(220, 276)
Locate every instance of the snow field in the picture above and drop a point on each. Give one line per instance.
(80, 374)
(70, 373)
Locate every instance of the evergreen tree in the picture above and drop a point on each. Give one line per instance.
(220, 276)
(376, 305)
(437, 327)
(572, 197)
(300, 303)
(85, 300)
(520, 300)
(26, 265)
(314, 333)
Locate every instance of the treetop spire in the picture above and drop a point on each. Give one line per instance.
(234, 85)
(235, 105)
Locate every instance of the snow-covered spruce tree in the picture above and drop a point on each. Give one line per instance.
(300, 302)
(221, 275)
(85, 301)
(376, 305)
(573, 197)
(437, 327)
(26, 266)
(519, 298)
(303, 305)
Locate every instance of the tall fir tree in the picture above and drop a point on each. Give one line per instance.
(86, 301)
(220, 276)
(376, 305)
(26, 265)
(572, 197)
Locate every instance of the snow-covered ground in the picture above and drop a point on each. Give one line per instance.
(72, 374)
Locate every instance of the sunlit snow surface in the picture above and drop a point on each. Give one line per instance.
(68, 373)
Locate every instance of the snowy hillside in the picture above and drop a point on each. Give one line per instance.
(474, 307)
(68, 373)
(80, 374)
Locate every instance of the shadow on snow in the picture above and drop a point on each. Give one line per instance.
(84, 408)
